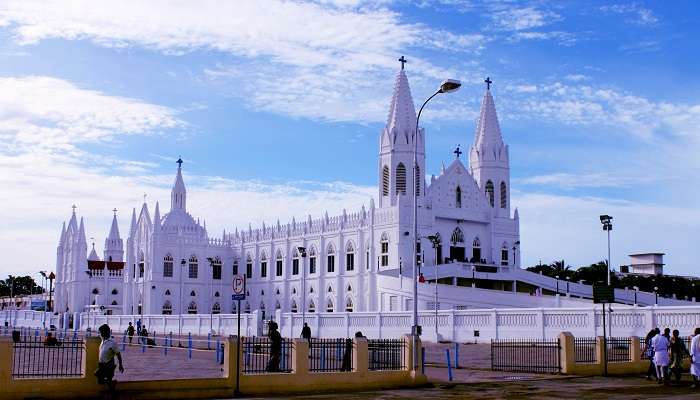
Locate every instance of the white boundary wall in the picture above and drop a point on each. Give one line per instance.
(455, 325)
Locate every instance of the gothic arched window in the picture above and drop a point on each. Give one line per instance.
(384, 250)
(400, 179)
(294, 307)
(312, 260)
(489, 191)
(458, 197)
(329, 305)
(349, 257)
(216, 308)
(312, 306)
(115, 292)
(504, 197)
(248, 267)
(193, 267)
(348, 305)
(504, 254)
(457, 237)
(192, 293)
(385, 181)
(295, 262)
(192, 308)
(167, 308)
(95, 291)
(278, 264)
(216, 268)
(330, 253)
(168, 266)
(263, 265)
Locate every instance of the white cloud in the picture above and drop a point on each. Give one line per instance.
(323, 48)
(519, 19)
(635, 13)
(577, 77)
(43, 114)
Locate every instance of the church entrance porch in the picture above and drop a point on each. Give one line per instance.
(457, 253)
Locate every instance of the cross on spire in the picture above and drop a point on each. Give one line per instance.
(179, 162)
(115, 211)
(457, 151)
(403, 61)
(73, 207)
(144, 197)
(488, 83)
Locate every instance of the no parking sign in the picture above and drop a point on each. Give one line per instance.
(238, 287)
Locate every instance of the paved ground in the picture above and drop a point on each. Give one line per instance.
(154, 364)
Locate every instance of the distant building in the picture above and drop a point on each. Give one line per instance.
(644, 264)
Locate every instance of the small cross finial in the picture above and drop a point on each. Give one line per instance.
(179, 162)
(457, 151)
(488, 83)
(403, 61)
(73, 207)
(115, 211)
(144, 197)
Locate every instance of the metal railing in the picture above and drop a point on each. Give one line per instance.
(585, 350)
(330, 355)
(259, 356)
(36, 358)
(619, 349)
(386, 354)
(525, 355)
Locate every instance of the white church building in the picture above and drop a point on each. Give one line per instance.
(356, 261)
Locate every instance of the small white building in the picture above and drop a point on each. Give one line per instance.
(644, 264)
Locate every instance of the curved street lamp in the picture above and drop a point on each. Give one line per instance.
(447, 86)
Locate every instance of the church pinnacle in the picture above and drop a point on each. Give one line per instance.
(402, 112)
(488, 130)
(178, 196)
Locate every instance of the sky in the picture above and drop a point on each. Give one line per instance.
(276, 109)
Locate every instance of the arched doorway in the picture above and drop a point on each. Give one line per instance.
(457, 245)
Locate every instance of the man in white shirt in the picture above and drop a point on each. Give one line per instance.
(661, 344)
(695, 358)
(105, 364)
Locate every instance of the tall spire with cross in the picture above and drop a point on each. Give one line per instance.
(114, 246)
(178, 195)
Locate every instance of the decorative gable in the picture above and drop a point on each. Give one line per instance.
(443, 190)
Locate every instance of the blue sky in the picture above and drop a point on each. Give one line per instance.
(276, 108)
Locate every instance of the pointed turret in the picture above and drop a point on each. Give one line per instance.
(114, 245)
(488, 157)
(93, 254)
(397, 145)
(81, 232)
(178, 195)
(156, 216)
(63, 233)
(132, 227)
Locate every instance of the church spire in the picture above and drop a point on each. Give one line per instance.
(178, 195)
(402, 112)
(488, 130)
(114, 229)
(114, 246)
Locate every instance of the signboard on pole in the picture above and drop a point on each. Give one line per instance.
(238, 287)
(603, 294)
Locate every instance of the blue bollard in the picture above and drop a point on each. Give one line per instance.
(165, 347)
(422, 360)
(189, 345)
(209, 341)
(449, 365)
(217, 350)
(456, 355)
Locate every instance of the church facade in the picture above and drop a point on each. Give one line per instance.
(171, 265)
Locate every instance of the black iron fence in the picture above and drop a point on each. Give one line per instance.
(386, 354)
(619, 349)
(525, 355)
(260, 356)
(585, 350)
(38, 358)
(330, 355)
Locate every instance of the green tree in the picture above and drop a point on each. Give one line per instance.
(19, 286)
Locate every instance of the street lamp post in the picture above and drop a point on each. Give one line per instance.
(447, 86)
(557, 276)
(181, 306)
(51, 277)
(211, 295)
(636, 289)
(435, 240)
(606, 220)
(656, 295)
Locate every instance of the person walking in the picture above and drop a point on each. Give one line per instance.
(678, 352)
(105, 365)
(306, 332)
(144, 335)
(130, 332)
(273, 365)
(695, 359)
(661, 345)
(648, 352)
